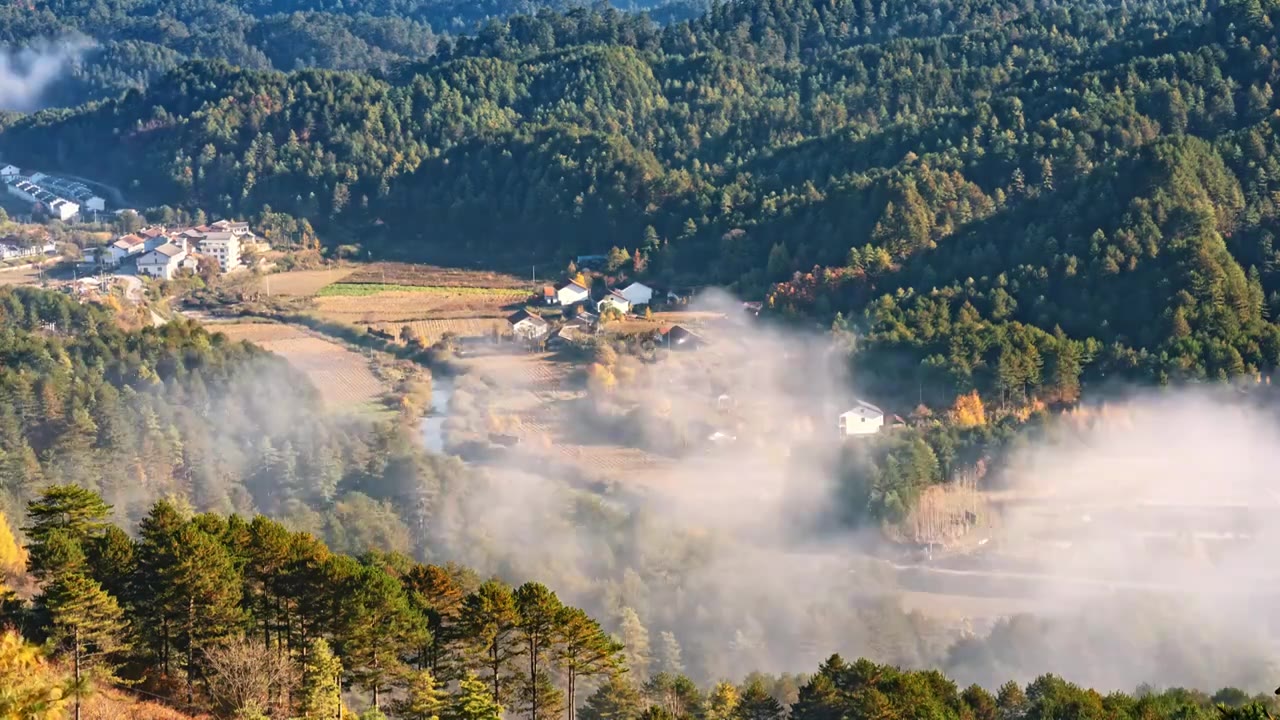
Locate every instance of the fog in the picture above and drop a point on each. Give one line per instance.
(27, 72)
(734, 547)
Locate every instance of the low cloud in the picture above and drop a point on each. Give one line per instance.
(733, 548)
(27, 72)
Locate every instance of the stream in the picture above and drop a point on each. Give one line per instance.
(433, 424)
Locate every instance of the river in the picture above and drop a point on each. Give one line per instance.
(433, 424)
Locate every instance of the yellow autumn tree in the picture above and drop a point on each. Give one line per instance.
(968, 411)
(13, 559)
(29, 688)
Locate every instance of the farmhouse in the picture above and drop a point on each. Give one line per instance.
(527, 326)
(571, 292)
(678, 337)
(125, 247)
(862, 419)
(162, 262)
(615, 301)
(637, 293)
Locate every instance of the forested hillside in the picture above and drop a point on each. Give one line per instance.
(176, 412)
(995, 196)
(124, 44)
(247, 619)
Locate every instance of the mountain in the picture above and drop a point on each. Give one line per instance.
(1014, 197)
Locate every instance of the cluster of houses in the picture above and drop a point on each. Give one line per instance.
(13, 247)
(161, 252)
(575, 293)
(61, 198)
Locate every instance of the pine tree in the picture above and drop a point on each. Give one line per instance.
(617, 699)
(201, 588)
(489, 620)
(376, 628)
(635, 640)
(537, 621)
(473, 701)
(757, 704)
(156, 551)
(320, 695)
(423, 699)
(72, 513)
(85, 623)
(669, 655)
(583, 650)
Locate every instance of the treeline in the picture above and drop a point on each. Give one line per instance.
(994, 197)
(200, 606)
(248, 619)
(179, 412)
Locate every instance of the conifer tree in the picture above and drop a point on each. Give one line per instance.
(423, 698)
(489, 620)
(583, 650)
(473, 701)
(617, 699)
(537, 620)
(86, 624)
(320, 694)
(757, 704)
(635, 641)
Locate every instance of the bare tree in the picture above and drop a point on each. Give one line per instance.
(244, 674)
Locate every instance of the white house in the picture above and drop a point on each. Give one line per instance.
(616, 301)
(570, 293)
(126, 246)
(162, 262)
(9, 171)
(62, 209)
(863, 419)
(637, 293)
(527, 326)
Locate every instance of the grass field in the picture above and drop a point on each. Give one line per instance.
(343, 377)
(432, 311)
(389, 273)
(27, 276)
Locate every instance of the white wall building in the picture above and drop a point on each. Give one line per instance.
(616, 301)
(125, 247)
(10, 171)
(863, 419)
(62, 209)
(223, 246)
(570, 293)
(637, 293)
(162, 262)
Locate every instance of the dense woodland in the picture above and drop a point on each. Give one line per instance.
(181, 413)
(248, 619)
(121, 44)
(996, 196)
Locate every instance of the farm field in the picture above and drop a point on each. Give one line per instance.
(26, 276)
(302, 283)
(430, 310)
(391, 273)
(343, 377)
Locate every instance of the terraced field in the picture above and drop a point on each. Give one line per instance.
(343, 377)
